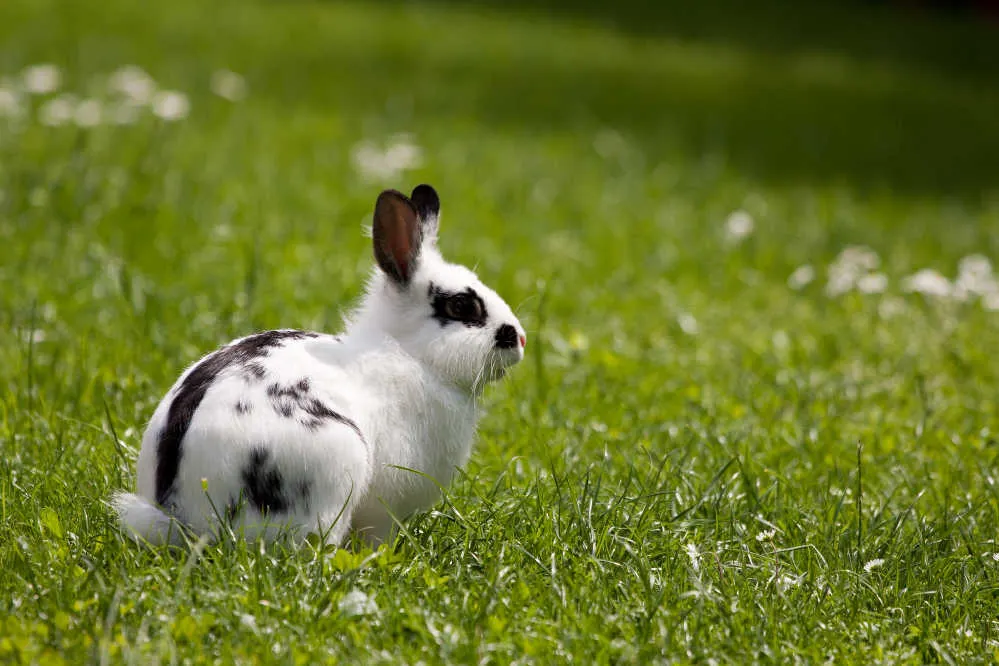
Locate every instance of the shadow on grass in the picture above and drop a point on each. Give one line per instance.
(870, 96)
(946, 37)
(849, 92)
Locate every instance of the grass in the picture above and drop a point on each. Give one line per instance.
(695, 462)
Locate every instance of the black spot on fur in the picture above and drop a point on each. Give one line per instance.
(305, 494)
(254, 371)
(286, 399)
(192, 391)
(294, 399)
(320, 412)
(243, 407)
(311, 424)
(263, 483)
(466, 307)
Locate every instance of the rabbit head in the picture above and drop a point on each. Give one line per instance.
(439, 313)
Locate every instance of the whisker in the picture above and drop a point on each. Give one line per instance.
(525, 301)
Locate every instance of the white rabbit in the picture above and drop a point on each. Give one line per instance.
(321, 433)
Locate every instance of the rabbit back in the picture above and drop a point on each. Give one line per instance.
(259, 436)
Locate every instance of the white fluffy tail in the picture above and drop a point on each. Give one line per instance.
(146, 521)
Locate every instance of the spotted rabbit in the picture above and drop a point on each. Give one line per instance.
(323, 433)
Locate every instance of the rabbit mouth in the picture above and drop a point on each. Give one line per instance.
(499, 362)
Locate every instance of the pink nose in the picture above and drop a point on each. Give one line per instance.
(523, 341)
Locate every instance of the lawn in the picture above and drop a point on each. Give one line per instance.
(758, 420)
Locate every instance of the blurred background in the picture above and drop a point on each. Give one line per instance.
(182, 172)
(171, 158)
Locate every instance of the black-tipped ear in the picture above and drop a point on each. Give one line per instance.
(397, 236)
(428, 207)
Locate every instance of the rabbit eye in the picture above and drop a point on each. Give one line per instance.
(464, 307)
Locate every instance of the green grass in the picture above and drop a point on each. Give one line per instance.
(694, 462)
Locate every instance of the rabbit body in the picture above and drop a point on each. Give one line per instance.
(319, 433)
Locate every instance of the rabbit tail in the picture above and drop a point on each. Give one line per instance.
(147, 522)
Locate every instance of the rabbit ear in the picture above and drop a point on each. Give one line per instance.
(428, 207)
(397, 236)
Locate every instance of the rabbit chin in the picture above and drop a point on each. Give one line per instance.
(498, 362)
(474, 378)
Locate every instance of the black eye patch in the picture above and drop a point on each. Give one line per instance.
(466, 307)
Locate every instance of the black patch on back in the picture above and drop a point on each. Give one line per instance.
(263, 483)
(254, 371)
(294, 400)
(192, 391)
(242, 407)
(285, 399)
(465, 307)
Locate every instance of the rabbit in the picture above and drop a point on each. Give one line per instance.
(316, 433)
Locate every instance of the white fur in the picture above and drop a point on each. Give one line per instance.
(407, 382)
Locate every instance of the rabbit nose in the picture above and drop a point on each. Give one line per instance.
(523, 341)
(506, 337)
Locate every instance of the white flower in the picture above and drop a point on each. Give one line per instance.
(687, 324)
(739, 225)
(839, 284)
(780, 340)
(873, 564)
(974, 264)
(801, 277)
(859, 258)
(872, 283)
(356, 603)
(785, 582)
(10, 102)
(133, 83)
(374, 164)
(171, 105)
(57, 111)
(34, 336)
(41, 79)
(928, 282)
(694, 555)
(228, 85)
(974, 278)
(852, 264)
(88, 113)
(766, 535)
(991, 302)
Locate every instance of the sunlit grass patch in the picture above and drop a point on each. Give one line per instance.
(758, 416)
